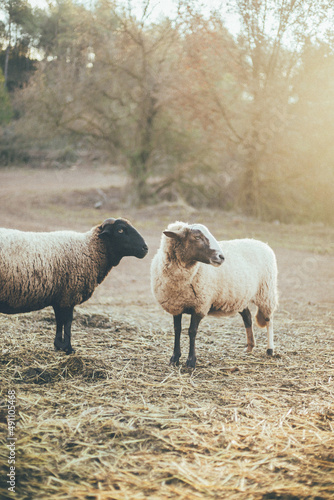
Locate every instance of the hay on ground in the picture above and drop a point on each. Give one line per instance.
(114, 421)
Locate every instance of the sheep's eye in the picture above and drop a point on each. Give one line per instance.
(120, 230)
(197, 237)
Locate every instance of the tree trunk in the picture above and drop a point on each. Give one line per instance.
(6, 65)
(250, 189)
(7, 52)
(139, 174)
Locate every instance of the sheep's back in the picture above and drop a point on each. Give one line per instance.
(247, 258)
(248, 269)
(39, 269)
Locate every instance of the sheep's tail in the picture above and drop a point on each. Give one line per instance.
(261, 320)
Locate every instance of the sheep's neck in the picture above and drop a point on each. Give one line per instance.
(179, 269)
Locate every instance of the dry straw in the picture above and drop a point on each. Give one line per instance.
(114, 421)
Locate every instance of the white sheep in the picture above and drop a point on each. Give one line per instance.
(242, 271)
(61, 268)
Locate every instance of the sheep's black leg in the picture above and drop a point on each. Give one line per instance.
(64, 317)
(58, 342)
(68, 318)
(247, 318)
(174, 360)
(195, 321)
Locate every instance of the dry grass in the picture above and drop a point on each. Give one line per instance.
(114, 421)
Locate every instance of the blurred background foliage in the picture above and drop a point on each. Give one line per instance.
(190, 106)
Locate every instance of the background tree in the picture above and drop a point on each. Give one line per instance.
(6, 111)
(17, 35)
(310, 141)
(248, 88)
(210, 89)
(107, 77)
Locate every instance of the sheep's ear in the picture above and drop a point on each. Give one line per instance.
(105, 227)
(172, 234)
(107, 222)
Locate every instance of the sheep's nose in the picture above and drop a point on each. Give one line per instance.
(145, 248)
(217, 260)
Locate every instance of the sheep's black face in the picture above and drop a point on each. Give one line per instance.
(123, 239)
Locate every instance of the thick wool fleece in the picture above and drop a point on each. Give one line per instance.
(247, 275)
(40, 269)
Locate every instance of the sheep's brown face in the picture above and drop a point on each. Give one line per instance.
(123, 238)
(203, 247)
(196, 244)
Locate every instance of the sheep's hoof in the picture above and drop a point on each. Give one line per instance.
(191, 362)
(59, 345)
(269, 352)
(174, 361)
(70, 351)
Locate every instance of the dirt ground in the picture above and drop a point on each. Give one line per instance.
(239, 426)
